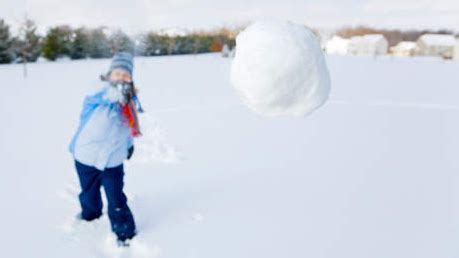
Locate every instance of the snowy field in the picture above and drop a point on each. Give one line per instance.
(372, 174)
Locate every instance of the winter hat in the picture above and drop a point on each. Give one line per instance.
(123, 60)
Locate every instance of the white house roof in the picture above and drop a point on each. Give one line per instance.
(370, 38)
(338, 41)
(438, 40)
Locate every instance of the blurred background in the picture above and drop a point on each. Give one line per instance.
(50, 29)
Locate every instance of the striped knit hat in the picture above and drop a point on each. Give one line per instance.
(123, 60)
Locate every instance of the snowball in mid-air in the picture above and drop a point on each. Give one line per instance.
(280, 69)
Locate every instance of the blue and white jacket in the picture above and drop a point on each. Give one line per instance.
(102, 139)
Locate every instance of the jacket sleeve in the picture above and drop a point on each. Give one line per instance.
(130, 141)
(90, 103)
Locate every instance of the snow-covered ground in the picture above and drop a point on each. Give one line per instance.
(373, 173)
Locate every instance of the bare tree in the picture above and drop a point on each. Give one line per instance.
(28, 44)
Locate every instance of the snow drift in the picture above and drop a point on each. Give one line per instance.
(279, 69)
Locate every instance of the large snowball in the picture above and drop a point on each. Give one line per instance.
(279, 69)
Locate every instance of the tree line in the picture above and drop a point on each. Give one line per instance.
(393, 36)
(80, 43)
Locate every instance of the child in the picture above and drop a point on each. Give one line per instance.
(101, 144)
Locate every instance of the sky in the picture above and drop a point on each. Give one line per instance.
(136, 16)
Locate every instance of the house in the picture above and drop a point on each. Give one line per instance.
(437, 45)
(337, 46)
(369, 45)
(404, 48)
(456, 50)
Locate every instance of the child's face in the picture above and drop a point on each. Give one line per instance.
(119, 74)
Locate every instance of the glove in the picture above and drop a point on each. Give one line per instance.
(130, 152)
(126, 90)
(113, 95)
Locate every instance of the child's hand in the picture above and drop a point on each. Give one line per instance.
(114, 95)
(121, 91)
(130, 152)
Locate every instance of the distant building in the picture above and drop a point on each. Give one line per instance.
(369, 45)
(404, 48)
(456, 50)
(337, 46)
(437, 45)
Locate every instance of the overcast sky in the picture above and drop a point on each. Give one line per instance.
(141, 15)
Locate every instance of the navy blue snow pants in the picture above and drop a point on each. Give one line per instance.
(91, 179)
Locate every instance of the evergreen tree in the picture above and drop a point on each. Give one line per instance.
(154, 44)
(80, 44)
(57, 42)
(98, 46)
(28, 44)
(203, 43)
(184, 45)
(120, 42)
(6, 51)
